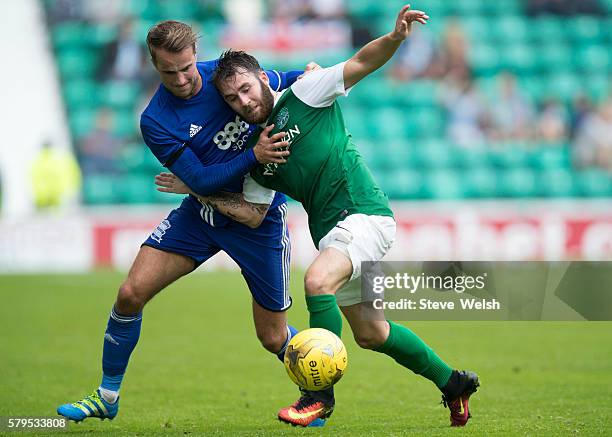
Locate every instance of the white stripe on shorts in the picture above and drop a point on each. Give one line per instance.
(286, 242)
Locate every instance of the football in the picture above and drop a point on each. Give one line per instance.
(315, 359)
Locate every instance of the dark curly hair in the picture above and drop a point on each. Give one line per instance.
(232, 61)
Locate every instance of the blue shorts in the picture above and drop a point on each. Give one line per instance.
(263, 254)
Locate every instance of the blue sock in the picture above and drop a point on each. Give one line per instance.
(120, 338)
(291, 331)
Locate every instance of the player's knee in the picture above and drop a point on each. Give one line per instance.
(370, 338)
(316, 284)
(273, 340)
(129, 299)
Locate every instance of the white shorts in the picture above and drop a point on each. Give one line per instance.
(360, 237)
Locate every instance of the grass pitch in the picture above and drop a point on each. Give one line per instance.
(199, 369)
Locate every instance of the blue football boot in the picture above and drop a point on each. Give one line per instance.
(90, 406)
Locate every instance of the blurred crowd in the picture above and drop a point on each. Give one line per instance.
(473, 117)
(505, 115)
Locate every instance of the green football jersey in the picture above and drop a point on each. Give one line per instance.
(325, 171)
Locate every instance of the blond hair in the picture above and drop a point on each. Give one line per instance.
(172, 36)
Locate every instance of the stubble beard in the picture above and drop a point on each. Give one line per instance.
(266, 105)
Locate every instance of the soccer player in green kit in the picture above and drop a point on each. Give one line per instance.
(350, 220)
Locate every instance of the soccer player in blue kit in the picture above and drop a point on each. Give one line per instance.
(195, 134)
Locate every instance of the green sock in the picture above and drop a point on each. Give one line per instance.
(405, 347)
(324, 313)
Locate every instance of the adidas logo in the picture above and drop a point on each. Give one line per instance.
(194, 129)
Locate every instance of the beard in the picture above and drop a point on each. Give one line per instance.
(265, 106)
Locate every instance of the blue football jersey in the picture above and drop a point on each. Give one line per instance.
(204, 123)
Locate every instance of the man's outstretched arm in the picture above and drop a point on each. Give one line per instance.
(232, 205)
(376, 53)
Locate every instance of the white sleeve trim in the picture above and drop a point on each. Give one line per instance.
(320, 88)
(255, 193)
(279, 80)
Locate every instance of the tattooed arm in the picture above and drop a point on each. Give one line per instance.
(231, 205)
(235, 207)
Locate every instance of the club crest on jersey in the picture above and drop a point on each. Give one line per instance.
(194, 129)
(282, 118)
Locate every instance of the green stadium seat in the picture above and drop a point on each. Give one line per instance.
(142, 26)
(68, 35)
(585, 30)
(470, 157)
(549, 30)
(355, 123)
(102, 33)
(593, 58)
(598, 86)
(77, 63)
(372, 93)
(509, 155)
(387, 124)
(211, 10)
(81, 121)
(467, 8)
(151, 164)
(136, 189)
(556, 182)
(402, 183)
(478, 28)
(80, 93)
(484, 59)
(435, 8)
(519, 58)
(563, 86)
(151, 11)
(517, 183)
(383, 162)
(480, 182)
(546, 157)
(352, 113)
(433, 155)
(369, 152)
(606, 24)
(444, 185)
(100, 189)
(502, 8)
(425, 123)
(365, 9)
(534, 87)
(511, 29)
(138, 8)
(126, 123)
(417, 93)
(607, 4)
(399, 153)
(211, 30)
(594, 183)
(133, 157)
(119, 94)
(552, 56)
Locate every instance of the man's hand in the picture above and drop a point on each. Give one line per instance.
(311, 66)
(268, 149)
(403, 24)
(169, 183)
